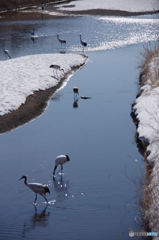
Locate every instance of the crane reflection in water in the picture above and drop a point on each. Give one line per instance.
(36, 220)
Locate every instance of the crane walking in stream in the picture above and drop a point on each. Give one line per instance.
(37, 188)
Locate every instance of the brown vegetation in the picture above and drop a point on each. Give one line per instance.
(15, 4)
(149, 54)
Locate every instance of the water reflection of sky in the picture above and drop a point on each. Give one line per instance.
(100, 33)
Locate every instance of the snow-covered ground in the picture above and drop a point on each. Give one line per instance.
(146, 109)
(123, 5)
(20, 77)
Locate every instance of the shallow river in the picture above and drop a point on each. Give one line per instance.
(94, 199)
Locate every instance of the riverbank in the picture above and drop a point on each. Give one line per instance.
(145, 115)
(15, 110)
(33, 107)
(68, 7)
(10, 5)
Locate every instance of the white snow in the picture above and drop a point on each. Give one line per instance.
(147, 112)
(20, 77)
(123, 5)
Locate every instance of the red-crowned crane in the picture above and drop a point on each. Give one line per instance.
(56, 67)
(75, 90)
(37, 188)
(60, 160)
(62, 41)
(84, 44)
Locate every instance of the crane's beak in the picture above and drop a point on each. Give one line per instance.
(20, 178)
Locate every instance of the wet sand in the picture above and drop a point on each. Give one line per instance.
(108, 12)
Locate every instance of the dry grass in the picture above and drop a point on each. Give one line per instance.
(14, 4)
(149, 53)
(143, 196)
(143, 192)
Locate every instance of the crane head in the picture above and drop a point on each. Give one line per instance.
(23, 177)
(47, 189)
(68, 159)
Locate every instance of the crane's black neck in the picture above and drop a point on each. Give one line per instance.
(25, 178)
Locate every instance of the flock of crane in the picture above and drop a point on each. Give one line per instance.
(62, 41)
(41, 189)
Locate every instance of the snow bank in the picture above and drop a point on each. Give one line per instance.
(22, 76)
(123, 5)
(146, 109)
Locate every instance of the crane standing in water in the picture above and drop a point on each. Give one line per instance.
(60, 160)
(84, 44)
(62, 41)
(37, 188)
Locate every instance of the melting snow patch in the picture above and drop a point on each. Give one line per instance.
(22, 76)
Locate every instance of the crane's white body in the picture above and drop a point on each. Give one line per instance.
(60, 160)
(84, 44)
(37, 188)
(6, 52)
(62, 41)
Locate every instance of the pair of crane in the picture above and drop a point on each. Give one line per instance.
(62, 41)
(41, 189)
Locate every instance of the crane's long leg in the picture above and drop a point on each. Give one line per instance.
(35, 198)
(58, 172)
(45, 198)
